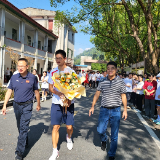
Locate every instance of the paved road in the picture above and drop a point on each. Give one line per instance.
(134, 143)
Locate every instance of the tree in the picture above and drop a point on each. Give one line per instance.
(128, 32)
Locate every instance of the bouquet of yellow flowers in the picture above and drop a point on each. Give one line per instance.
(70, 85)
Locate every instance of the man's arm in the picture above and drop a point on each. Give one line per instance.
(96, 96)
(124, 101)
(7, 97)
(38, 99)
(52, 90)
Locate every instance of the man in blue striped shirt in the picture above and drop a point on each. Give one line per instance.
(113, 94)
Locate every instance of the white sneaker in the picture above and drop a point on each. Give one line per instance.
(45, 98)
(69, 143)
(54, 155)
(42, 99)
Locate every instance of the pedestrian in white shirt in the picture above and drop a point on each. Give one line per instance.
(93, 77)
(90, 79)
(98, 77)
(7, 74)
(44, 86)
(139, 93)
(128, 82)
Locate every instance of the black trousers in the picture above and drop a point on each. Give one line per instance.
(133, 98)
(139, 99)
(93, 84)
(8, 78)
(97, 82)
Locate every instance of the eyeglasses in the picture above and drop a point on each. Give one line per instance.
(58, 58)
(21, 66)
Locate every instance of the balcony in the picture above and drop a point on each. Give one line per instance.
(41, 53)
(29, 49)
(15, 45)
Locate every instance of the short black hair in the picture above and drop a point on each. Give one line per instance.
(125, 75)
(112, 63)
(45, 72)
(130, 73)
(49, 68)
(62, 52)
(140, 76)
(150, 74)
(23, 59)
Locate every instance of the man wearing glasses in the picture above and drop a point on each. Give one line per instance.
(25, 85)
(113, 94)
(57, 114)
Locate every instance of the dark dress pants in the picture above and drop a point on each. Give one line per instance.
(23, 115)
(139, 99)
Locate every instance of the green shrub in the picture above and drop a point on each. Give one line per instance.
(3, 93)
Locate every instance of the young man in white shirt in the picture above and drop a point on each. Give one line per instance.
(58, 116)
(90, 79)
(93, 79)
(98, 77)
(128, 82)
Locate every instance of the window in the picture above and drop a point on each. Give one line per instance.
(5, 33)
(39, 44)
(29, 41)
(14, 34)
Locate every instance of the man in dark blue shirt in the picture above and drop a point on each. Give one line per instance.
(24, 85)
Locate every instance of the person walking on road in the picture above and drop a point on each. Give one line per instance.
(93, 79)
(113, 94)
(58, 116)
(25, 86)
(8, 74)
(44, 86)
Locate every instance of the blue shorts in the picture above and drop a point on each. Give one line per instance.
(59, 116)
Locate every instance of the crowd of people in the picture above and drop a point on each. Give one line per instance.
(92, 78)
(143, 94)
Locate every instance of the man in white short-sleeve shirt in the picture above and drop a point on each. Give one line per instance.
(58, 115)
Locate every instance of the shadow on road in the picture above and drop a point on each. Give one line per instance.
(34, 134)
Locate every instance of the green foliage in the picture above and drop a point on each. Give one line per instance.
(99, 66)
(3, 93)
(93, 52)
(121, 29)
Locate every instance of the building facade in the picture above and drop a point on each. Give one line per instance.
(65, 32)
(22, 36)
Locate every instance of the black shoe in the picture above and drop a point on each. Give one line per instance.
(103, 146)
(18, 157)
(111, 158)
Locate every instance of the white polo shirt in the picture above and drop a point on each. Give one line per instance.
(45, 84)
(56, 99)
(93, 77)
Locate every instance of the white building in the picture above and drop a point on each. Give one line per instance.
(21, 35)
(65, 33)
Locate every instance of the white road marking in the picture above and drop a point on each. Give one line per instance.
(152, 134)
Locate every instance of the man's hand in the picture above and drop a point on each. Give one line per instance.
(4, 110)
(38, 108)
(61, 95)
(91, 111)
(124, 115)
(159, 96)
(128, 85)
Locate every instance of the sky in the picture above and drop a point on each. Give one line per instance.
(82, 41)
